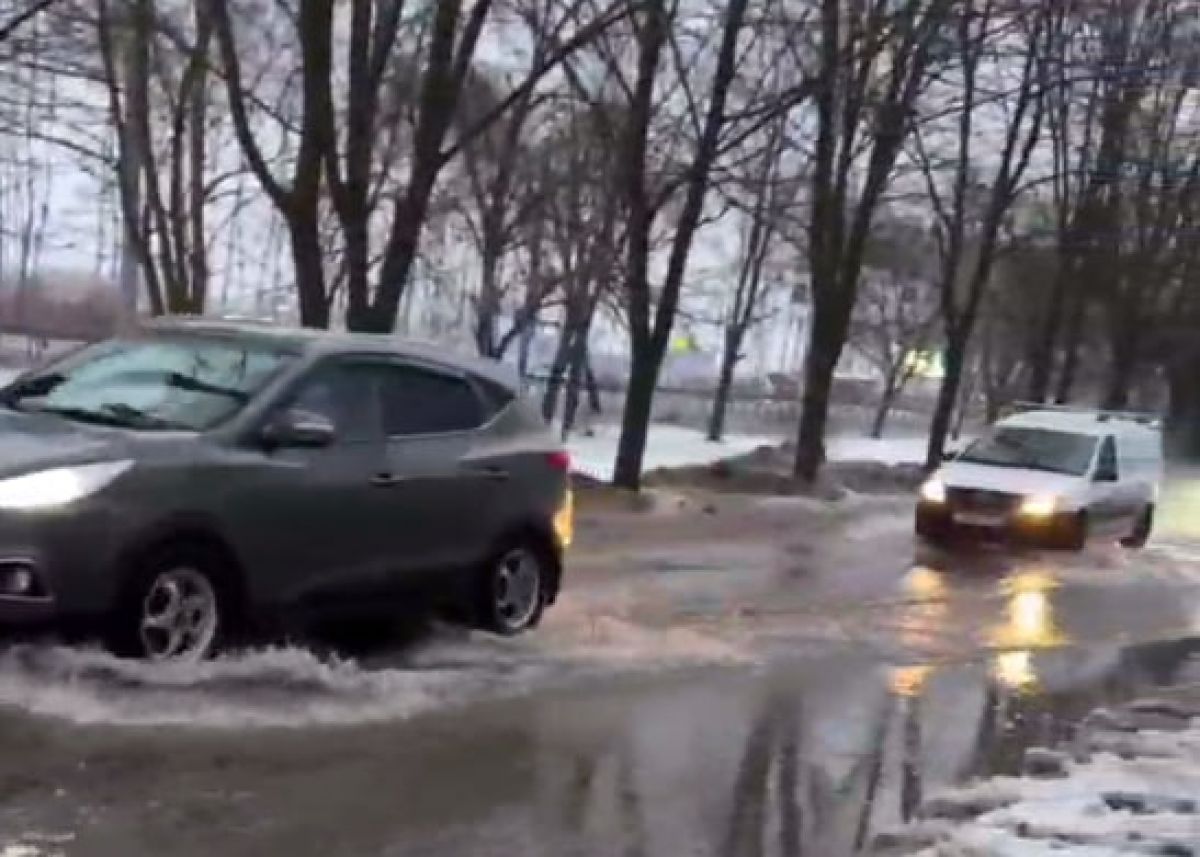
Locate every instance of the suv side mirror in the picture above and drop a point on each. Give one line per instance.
(1105, 474)
(297, 428)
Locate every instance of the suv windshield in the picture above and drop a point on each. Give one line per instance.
(1036, 449)
(178, 383)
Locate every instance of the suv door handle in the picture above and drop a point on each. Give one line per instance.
(492, 472)
(386, 480)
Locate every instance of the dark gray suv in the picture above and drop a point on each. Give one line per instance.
(179, 484)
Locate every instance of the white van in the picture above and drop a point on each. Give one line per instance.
(1050, 476)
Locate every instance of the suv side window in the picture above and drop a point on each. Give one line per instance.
(345, 393)
(421, 401)
(1106, 467)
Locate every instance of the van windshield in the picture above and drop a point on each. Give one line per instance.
(1035, 449)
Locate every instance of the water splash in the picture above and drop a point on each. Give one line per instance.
(293, 686)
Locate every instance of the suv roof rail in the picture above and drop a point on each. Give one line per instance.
(1102, 415)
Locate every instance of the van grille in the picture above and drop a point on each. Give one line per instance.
(979, 500)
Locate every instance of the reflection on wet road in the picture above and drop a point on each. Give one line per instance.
(795, 707)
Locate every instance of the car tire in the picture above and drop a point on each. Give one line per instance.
(932, 532)
(933, 540)
(1077, 533)
(174, 607)
(513, 588)
(1141, 530)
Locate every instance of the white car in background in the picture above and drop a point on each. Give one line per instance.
(1053, 477)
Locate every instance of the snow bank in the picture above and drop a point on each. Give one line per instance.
(675, 446)
(666, 446)
(1125, 793)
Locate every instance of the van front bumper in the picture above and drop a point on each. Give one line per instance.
(939, 523)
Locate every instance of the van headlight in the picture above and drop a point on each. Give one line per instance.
(1039, 506)
(934, 491)
(59, 486)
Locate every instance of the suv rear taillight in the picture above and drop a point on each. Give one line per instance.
(560, 460)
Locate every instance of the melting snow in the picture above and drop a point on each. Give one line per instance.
(675, 446)
(1143, 801)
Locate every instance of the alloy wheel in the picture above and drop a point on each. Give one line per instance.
(179, 616)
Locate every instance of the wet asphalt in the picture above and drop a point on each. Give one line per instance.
(728, 702)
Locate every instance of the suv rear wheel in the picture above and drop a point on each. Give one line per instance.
(173, 609)
(513, 588)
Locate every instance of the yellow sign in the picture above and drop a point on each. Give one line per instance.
(924, 364)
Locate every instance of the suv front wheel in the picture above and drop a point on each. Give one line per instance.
(173, 609)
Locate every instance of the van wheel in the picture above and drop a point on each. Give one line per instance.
(173, 609)
(1077, 533)
(513, 588)
(1141, 530)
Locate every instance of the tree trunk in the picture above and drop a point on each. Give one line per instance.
(825, 349)
(884, 409)
(488, 305)
(1120, 379)
(1042, 358)
(1125, 326)
(635, 419)
(575, 380)
(1183, 417)
(308, 262)
(943, 414)
(524, 347)
(589, 380)
(729, 359)
(558, 370)
(962, 407)
(1071, 346)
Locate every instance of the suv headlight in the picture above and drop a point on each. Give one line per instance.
(1039, 507)
(59, 486)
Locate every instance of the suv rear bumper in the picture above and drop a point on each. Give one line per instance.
(27, 612)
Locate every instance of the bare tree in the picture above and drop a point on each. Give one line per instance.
(1160, 206)
(651, 320)
(873, 63)
(297, 198)
(162, 178)
(585, 239)
(894, 320)
(1072, 94)
(769, 195)
(970, 216)
(400, 71)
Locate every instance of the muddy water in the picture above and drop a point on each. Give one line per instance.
(792, 708)
(697, 761)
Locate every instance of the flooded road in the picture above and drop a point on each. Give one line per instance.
(722, 700)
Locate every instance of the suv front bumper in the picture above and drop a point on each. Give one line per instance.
(70, 557)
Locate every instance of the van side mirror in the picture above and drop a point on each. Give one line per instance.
(296, 428)
(1105, 474)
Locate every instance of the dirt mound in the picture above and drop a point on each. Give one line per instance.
(873, 477)
(768, 470)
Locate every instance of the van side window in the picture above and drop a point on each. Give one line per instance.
(1106, 467)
